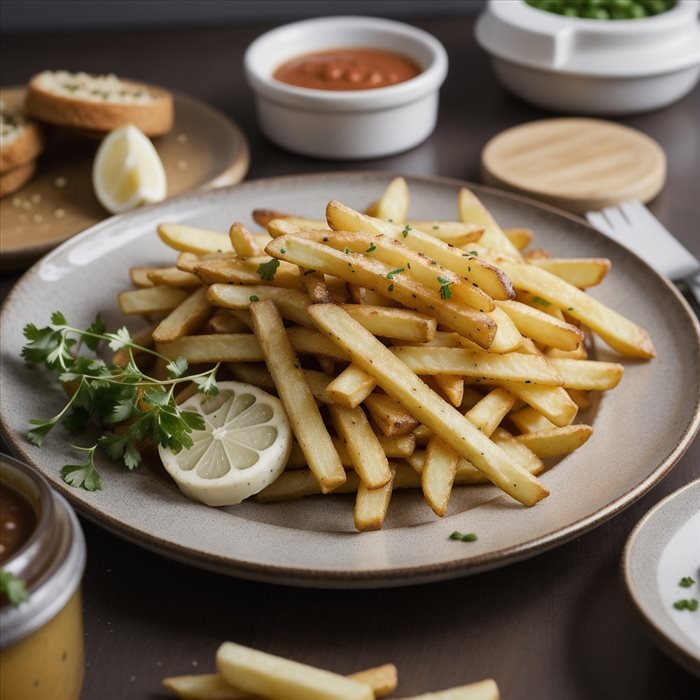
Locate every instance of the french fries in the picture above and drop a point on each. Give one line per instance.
(450, 353)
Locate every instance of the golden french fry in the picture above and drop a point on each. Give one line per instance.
(173, 277)
(243, 241)
(249, 271)
(478, 272)
(278, 678)
(541, 327)
(489, 411)
(404, 260)
(530, 420)
(588, 374)
(522, 454)
(580, 272)
(315, 285)
(294, 484)
(425, 405)
(366, 454)
(455, 233)
(293, 390)
(555, 442)
(620, 333)
(362, 295)
(357, 268)
(520, 237)
(580, 397)
(551, 401)
(472, 211)
(184, 319)
(514, 367)
(218, 347)
(371, 504)
(252, 373)
(263, 217)
(351, 387)
(449, 386)
(139, 276)
(389, 415)
(483, 690)
(393, 204)
(438, 475)
(308, 341)
(508, 338)
(194, 240)
(151, 300)
(223, 321)
(143, 338)
(399, 324)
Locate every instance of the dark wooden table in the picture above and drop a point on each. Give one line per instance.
(555, 627)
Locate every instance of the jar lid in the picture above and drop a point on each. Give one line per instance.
(576, 164)
(525, 35)
(51, 562)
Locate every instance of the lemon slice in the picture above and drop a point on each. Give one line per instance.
(244, 446)
(127, 171)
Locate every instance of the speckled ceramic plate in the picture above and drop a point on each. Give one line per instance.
(641, 428)
(662, 550)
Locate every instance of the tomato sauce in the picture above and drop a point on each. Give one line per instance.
(347, 69)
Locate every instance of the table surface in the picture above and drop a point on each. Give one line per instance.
(556, 626)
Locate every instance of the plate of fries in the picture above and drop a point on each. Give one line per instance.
(470, 377)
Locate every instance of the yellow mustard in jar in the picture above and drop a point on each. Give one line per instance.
(42, 546)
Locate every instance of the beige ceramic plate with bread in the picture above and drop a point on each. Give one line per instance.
(640, 429)
(203, 150)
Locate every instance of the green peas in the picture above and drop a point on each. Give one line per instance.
(604, 9)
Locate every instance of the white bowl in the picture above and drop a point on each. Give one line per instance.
(589, 66)
(352, 124)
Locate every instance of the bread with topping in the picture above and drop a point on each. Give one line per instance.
(98, 103)
(15, 179)
(21, 139)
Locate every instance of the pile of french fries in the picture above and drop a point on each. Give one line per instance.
(407, 354)
(245, 674)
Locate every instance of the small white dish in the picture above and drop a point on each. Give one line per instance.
(353, 124)
(662, 549)
(592, 66)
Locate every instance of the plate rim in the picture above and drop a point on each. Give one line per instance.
(233, 174)
(668, 644)
(376, 578)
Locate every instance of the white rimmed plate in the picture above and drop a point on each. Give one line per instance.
(641, 428)
(663, 549)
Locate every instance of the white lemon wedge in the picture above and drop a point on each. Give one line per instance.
(244, 446)
(127, 171)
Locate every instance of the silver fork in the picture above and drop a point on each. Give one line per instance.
(632, 225)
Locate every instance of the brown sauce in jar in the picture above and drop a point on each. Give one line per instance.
(17, 521)
(347, 69)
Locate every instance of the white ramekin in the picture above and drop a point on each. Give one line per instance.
(352, 124)
(588, 66)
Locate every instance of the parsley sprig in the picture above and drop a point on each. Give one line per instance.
(12, 588)
(131, 408)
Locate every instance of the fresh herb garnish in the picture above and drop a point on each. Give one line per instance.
(435, 228)
(347, 251)
(473, 252)
(129, 407)
(540, 301)
(371, 248)
(686, 582)
(12, 587)
(268, 269)
(390, 275)
(686, 604)
(254, 297)
(445, 291)
(464, 537)
(406, 229)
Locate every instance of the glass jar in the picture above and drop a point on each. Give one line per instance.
(41, 639)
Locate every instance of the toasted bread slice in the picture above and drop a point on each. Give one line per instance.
(13, 180)
(98, 102)
(21, 139)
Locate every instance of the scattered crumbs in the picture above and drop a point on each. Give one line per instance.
(17, 203)
(159, 663)
(195, 663)
(26, 205)
(37, 218)
(59, 213)
(181, 138)
(24, 219)
(132, 678)
(182, 165)
(36, 198)
(60, 182)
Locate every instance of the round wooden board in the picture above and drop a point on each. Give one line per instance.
(203, 150)
(576, 164)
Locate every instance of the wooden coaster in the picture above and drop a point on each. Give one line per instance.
(576, 164)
